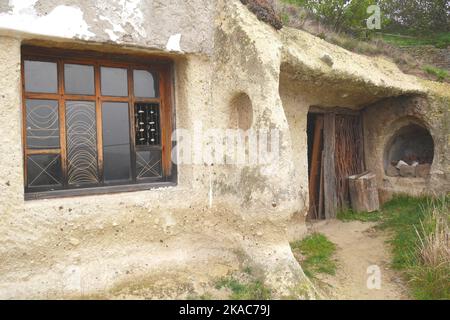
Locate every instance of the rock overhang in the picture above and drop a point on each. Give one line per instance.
(348, 79)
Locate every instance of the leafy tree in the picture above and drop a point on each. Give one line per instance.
(340, 14)
(417, 16)
(414, 16)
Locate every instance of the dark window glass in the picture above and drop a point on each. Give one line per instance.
(116, 142)
(114, 82)
(44, 170)
(41, 77)
(147, 124)
(148, 164)
(79, 79)
(42, 123)
(81, 143)
(145, 84)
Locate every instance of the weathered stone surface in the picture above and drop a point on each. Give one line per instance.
(143, 23)
(401, 163)
(354, 81)
(383, 119)
(407, 171)
(423, 170)
(327, 59)
(209, 225)
(392, 171)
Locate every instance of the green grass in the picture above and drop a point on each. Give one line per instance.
(248, 270)
(318, 252)
(350, 215)
(439, 73)
(441, 40)
(404, 216)
(253, 290)
(417, 247)
(430, 283)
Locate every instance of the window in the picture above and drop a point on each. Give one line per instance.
(94, 123)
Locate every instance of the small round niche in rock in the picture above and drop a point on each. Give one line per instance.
(241, 115)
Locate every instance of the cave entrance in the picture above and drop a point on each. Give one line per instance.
(335, 152)
(409, 152)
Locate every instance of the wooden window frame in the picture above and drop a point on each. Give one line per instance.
(161, 67)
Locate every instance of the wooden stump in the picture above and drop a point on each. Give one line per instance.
(364, 192)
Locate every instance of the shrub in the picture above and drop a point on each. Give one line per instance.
(263, 9)
(440, 74)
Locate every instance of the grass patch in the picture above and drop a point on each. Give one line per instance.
(253, 290)
(206, 296)
(317, 251)
(420, 243)
(441, 40)
(350, 215)
(402, 215)
(248, 270)
(440, 74)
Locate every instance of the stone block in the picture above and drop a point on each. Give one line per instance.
(423, 170)
(407, 171)
(392, 171)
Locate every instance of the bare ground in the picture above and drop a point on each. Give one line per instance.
(359, 246)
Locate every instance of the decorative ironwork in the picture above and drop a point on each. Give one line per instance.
(44, 170)
(81, 143)
(148, 164)
(147, 124)
(42, 124)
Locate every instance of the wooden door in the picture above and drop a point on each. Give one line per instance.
(336, 152)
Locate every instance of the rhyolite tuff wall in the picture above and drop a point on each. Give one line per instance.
(175, 242)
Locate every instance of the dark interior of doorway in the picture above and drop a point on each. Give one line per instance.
(315, 166)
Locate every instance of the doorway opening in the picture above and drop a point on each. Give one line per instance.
(335, 152)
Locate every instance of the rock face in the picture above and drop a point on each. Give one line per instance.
(392, 171)
(423, 170)
(400, 164)
(217, 217)
(407, 171)
(382, 120)
(142, 23)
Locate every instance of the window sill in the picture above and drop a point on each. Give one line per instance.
(97, 191)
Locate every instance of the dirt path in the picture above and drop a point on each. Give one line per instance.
(359, 246)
